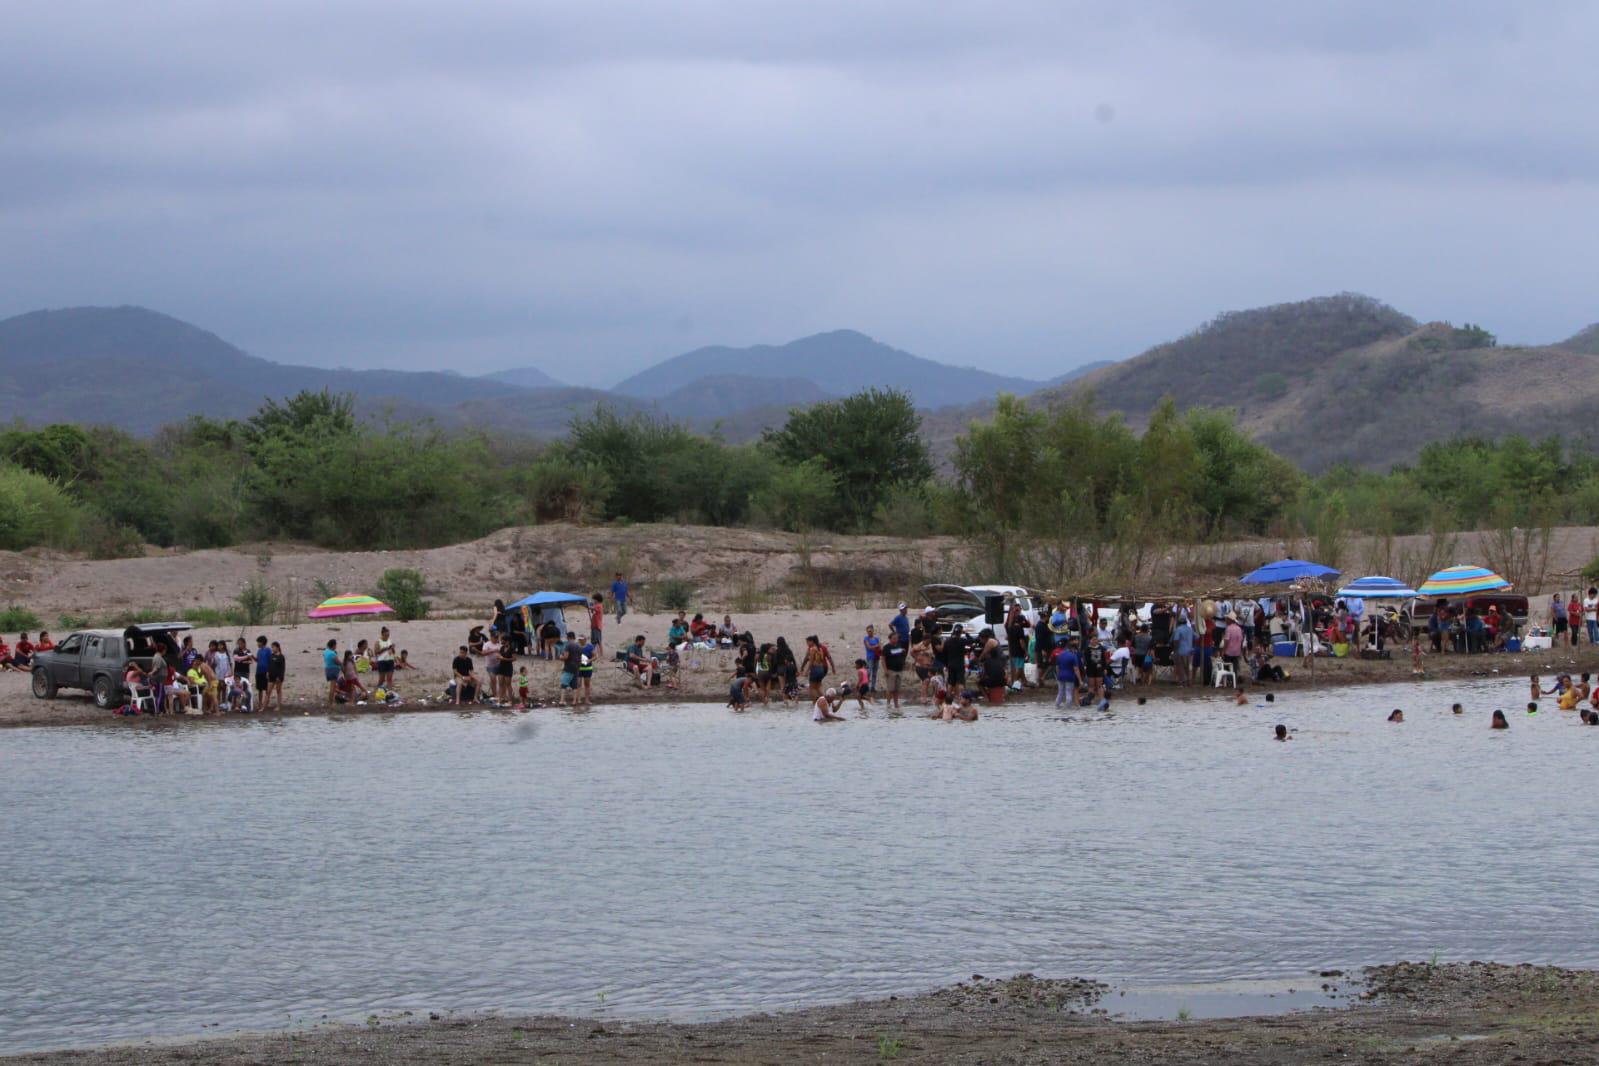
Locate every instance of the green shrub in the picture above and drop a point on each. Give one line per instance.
(402, 589)
(210, 617)
(18, 619)
(70, 622)
(257, 601)
(1590, 573)
(674, 593)
(35, 512)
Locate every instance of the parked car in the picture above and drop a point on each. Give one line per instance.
(966, 605)
(95, 659)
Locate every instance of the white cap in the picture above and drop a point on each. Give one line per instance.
(902, 606)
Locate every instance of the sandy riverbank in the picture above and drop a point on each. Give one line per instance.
(705, 677)
(1464, 1013)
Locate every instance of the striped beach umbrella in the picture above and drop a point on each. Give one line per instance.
(1462, 580)
(344, 606)
(1377, 587)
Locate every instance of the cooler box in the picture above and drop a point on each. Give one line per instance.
(1535, 643)
(1512, 644)
(1285, 649)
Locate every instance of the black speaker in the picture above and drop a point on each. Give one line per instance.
(993, 609)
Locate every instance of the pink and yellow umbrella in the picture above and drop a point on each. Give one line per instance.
(345, 606)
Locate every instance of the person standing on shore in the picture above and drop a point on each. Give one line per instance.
(872, 644)
(1574, 618)
(263, 671)
(901, 624)
(383, 659)
(277, 670)
(332, 670)
(597, 623)
(894, 655)
(1068, 674)
(619, 595)
(1183, 650)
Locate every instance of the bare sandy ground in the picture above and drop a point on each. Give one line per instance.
(1461, 1013)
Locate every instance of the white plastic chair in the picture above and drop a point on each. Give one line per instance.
(141, 699)
(1222, 670)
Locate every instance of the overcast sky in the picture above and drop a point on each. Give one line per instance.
(589, 187)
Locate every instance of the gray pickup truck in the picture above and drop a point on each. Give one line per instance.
(96, 659)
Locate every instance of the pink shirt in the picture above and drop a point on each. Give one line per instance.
(1232, 641)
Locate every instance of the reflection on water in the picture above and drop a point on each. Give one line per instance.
(687, 861)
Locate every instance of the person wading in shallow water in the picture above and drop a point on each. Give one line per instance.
(825, 709)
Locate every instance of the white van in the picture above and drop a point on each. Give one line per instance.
(964, 604)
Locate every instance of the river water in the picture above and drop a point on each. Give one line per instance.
(685, 861)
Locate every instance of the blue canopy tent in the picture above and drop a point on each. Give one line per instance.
(1284, 571)
(544, 607)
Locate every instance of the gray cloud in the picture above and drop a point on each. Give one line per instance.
(1021, 186)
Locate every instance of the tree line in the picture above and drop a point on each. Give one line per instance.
(1042, 482)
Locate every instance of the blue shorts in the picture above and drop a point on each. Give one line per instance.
(568, 680)
(332, 673)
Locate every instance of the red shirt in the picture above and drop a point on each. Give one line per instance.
(1574, 611)
(596, 616)
(25, 647)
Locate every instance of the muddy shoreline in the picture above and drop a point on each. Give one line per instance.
(1411, 1012)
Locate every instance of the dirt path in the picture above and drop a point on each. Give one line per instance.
(1464, 1013)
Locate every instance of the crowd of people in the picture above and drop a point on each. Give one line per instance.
(182, 679)
(20, 655)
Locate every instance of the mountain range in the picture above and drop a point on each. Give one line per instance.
(1342, 378)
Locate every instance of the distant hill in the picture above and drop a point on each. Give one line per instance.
(140, 370)
(725, 395)
(527, 377)
(838, 363)
(1585, 341)
(1349, 379)
(1077, 372)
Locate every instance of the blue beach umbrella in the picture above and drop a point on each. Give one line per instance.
(1285, 570)
(1378, 588)
(548, 599)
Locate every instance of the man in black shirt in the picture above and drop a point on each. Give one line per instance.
(894, 653)
(955, 658)
(465, 682)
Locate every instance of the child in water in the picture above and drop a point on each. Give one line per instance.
(521, 687)
(1397, 716)
(1499, 721)
(1532, 708)
(1457, 709)
(1282, 732)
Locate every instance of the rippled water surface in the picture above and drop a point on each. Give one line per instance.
(686, 861)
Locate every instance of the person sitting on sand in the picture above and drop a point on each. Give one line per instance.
(826, 707)
(475, 640)
(640, 663)
(404, 661)
(701, 630)
(461, 672)
(5, 656)
(1397, 716)
(22, 656)
(1499, 721)
(44, 643)
(727, 630)
(678, 632)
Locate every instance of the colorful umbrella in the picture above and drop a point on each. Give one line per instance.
(1379, 588)
(1462, 580)
(343, 606)
(1284, 570)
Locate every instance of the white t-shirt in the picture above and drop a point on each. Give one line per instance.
(1122, 654)
(1590, 607)
(817, 714)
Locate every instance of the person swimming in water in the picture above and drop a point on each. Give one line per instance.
(1532, 708)
(1499, 721)
(1397, 716)
(1282, 732)
(1457, 708)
